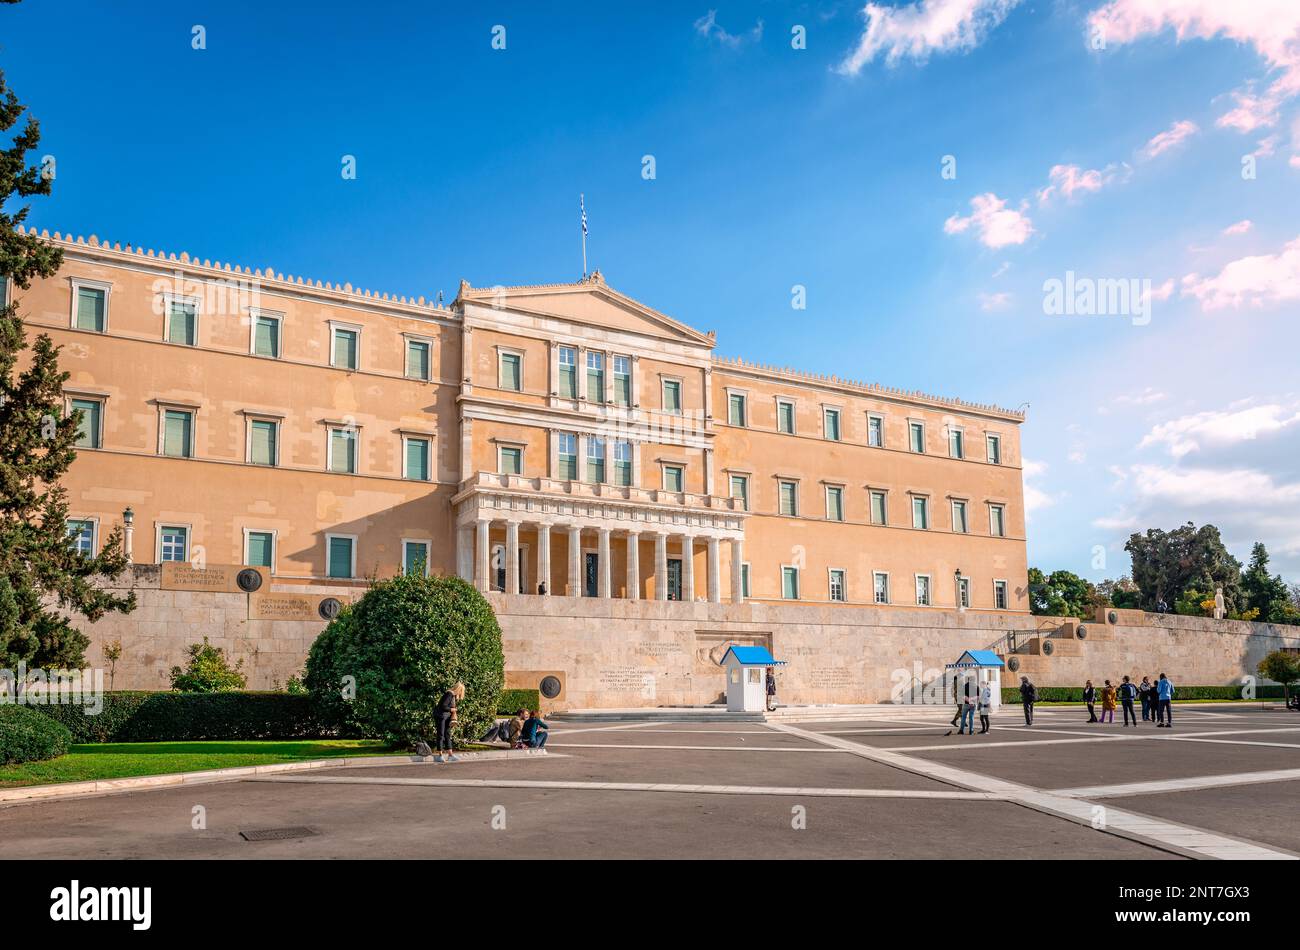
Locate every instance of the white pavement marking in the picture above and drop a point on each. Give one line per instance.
(1181, 784)
(692, 748)
(1164, 834)
(644, 787)
(1150, 737)
(627, 725)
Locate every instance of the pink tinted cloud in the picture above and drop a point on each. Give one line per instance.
(1256, 281)
(995, 224)
(1172, 137)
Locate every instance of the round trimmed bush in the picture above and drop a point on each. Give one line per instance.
(27, 735)
(383, 664)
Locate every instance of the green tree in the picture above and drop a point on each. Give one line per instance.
(208, 671)
(1122, 593)
(1061, 594)
(1167, 565)
(44, 580)
(1281, 667)
(1265, 592)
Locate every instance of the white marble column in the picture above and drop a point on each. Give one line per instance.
(575, 561)
(544, 557)
(482, 556)
(737, 558)
(688, 568)
(602, 557)
(512, 557)
(715, 573)
(633, 565)
(661, 566)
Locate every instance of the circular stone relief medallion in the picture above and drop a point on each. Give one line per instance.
(1013, 664)
(550, 687)
(329, 608)
(1082, 632)
(248, 580)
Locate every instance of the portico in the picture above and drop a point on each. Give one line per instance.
(611, 541)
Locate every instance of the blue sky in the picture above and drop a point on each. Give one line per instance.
(774, 167)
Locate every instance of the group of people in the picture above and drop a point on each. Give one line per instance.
(1156, 700)
(975, 698)
(526, 730)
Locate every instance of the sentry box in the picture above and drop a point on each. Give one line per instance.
(976, 667)
(747, 677)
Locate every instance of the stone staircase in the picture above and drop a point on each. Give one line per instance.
(1031, 651)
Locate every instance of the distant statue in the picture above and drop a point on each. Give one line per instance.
(1219, 611)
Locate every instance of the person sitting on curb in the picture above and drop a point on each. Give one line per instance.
(515, 729)
(535, 732)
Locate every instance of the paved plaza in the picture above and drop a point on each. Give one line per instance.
(1221, 784)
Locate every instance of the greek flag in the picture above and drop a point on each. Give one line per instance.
(583, 208)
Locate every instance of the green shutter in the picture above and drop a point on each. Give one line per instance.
(672, 396)
(88, 432)
(568, 380)
(90, 309)
(259, 549)
(510, 372)
(878, 507)
(789, 583)
(345, 349)
(340, 557)
(266, 337)
(623, 389)
(417, 459)
(788, 499)
(342, 451)
(417, 359)
(182, 324)
(264, 439)
(415, 558)
(176, 433)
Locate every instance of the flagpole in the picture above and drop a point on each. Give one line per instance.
(583, 208)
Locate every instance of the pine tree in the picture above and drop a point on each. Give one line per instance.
(44, 579)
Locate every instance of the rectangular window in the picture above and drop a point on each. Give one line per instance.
(834, 503)
(917, 431)
(568, 456)
(417, 359)
(344, 351)
(997, 521)
(178, 430)
(260, 549)
(88, 432)
(740, 489)
(923, 590)
(994, 444)
(263, 437)
(744, 580)
(920, 512)
(340, 555)
(92, 304)
(879, 508)
(623, 380)
(875, 431)
(595, 460)
(173, 543)
(956, 444)
(415, 558)
(509, 372)
(963, 592)
(343, 451)
(417, 459)
(82, 535)
(789, 498)
(568, 372)
(672, 396)
(595, 376)
(880, 582)
(837, 586)
(182, 322)
(831, 424)
(511, 460)
(266, 336)
(1000, 595)
(785, 417)
(736, 409)
(959, 517)
(674, 478)
(790, 583)
(623, 463)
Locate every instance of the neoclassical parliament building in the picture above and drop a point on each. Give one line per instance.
(551, 441)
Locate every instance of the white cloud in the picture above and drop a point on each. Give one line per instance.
(1251, 112)
(919, 29)
(996, 224)
(1002, 269)
(998, 301)
(707, 26)
(1188, 487)
(1146, 397)
(1241, 227)
(1035, 498)
(1255, 281)
(1171, 137)
(1218, 428)
(1069, 180)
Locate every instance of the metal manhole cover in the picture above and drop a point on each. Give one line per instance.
(277, 834)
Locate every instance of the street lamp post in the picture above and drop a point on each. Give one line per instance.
(128, 523)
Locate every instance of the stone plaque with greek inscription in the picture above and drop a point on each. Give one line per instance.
(216, 578)
(284, 607)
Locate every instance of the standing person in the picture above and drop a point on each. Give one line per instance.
(1157, 711)
(968, 709)
(1127, 693)
(1165, 694)
(986, 706)
(1107, 702)
(1028, 696)
(771, 689)
(535, 732)
(1090, 697)
(956, 716)
(1144, 694)
(446, 718)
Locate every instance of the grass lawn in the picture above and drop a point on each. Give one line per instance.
(92, 761)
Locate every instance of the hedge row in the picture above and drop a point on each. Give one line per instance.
(185, 717)
(513, 700)
(1074, 694)
(27, 736)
